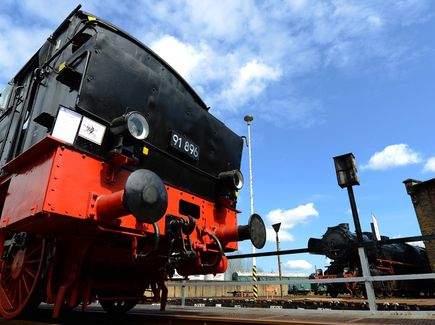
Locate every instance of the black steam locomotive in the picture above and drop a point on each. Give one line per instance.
(113, 175)
(340, 245)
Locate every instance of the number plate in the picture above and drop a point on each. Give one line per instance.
(184, 145)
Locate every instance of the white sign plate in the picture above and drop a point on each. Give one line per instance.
(92, 131)
(67, 124)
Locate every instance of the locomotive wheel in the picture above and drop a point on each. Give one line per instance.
(20, 273)
(118, 306)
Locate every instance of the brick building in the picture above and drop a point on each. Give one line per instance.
(423, 198)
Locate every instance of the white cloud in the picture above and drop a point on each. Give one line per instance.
(393, 156)
(233, 52)
(284, 41)
(289, 219)
(430, 165)
(292, 217)
(184, 58)
(17, 47)
(51, 10)
(249, 82)
(284, 235)
(298, 264)
(220, 19)
(239, 81)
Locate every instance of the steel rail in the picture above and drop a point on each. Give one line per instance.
(227, 316)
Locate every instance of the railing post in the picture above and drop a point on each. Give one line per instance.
(371, 298)
(183, 293)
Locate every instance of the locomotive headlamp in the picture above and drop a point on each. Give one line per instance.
(133, 124)
(233, 178)
(137, 125)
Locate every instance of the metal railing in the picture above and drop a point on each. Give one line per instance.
(367, 278)
(373, 310)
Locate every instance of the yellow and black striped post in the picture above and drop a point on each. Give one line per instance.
(254, 278)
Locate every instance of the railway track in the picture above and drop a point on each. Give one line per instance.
(342, 303)
(220, 316)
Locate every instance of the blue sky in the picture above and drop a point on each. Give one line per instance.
(321, 78)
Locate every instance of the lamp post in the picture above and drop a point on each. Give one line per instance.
(248, 119)
(347, 176)
(276, 227)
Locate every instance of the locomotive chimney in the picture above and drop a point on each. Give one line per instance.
(254, 230)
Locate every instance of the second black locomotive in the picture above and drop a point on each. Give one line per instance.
(340, 245)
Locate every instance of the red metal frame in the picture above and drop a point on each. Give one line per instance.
(66, 182)
(75, 200)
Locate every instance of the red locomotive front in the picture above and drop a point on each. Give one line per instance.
(114, 176)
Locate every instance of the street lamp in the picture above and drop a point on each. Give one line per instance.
(276, 227)
(347, 176)
(248, 119)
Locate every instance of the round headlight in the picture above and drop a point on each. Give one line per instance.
(238, 180)
(138, 126)
(233, 178)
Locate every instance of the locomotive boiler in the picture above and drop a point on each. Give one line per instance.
(340, 245)
(114, 175)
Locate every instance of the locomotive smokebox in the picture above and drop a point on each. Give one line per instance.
(315, 246)
(254, 230)
(145, 196)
